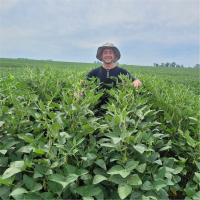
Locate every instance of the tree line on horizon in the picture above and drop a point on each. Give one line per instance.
(173, 64)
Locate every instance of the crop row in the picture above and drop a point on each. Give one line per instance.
(55, 143)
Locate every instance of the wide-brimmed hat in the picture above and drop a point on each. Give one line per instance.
(108, 45)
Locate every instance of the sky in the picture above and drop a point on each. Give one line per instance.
(145, 31)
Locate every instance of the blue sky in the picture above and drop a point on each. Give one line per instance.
(145, 31)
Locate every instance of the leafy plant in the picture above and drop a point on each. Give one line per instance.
(55, 144)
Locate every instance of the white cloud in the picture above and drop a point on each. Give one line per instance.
(56, 25)
(12, 33)
(7, 4)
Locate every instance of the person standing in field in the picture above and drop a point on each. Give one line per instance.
(109, 55)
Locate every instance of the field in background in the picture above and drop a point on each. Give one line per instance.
(55, 144)
(188, 77)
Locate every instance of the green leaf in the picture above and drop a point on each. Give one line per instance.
(25, 149)
(55, 127)
(57, 178)
(40, 168)
(17, 164)
(3, 152)
(70, 168)
(101, 163)
(124, 174)
(141, 168)
(115, 169)
(175, 178)
(55, 187)
(139, 148)
(117, 179)
(139, 113)
(29, 182)
(158, 184)
(88, 191)
(147, 186)
(27, 139)
(9, 172)
(168, 162)
(126, 133)
(124, 191)
(64, 181)
(196, 196)
(5, 191)
(158, 135)
(134, 180)
(37, 175)
(48, 172)
(39, 136)
(111, 135)
(197, 176)
(88, 198)
(18, 191)
(108, 145)
(153, 157)
(188, 138)
(178, 169)
(162, 172)
(7, 145)
(165, 148)
(47, 195)
(131, 164)
(41, 105)
(4, 181)
(158, 162)
(71, 178)
(1, 123)
(36, 187)
(52, 115)
(100, 171)
(116, 140)
(81, 172)
(90, 156)
(167, 116)
(190, 191)
(136, 195)
(80, 141)
(197, 164)
(31, 196)
(196, 121)
(3, 161)
(98, 178)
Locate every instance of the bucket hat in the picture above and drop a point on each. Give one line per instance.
(108, 45)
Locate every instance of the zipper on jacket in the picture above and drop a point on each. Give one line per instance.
(107, 72)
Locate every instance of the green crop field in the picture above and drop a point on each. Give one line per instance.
(55, 144)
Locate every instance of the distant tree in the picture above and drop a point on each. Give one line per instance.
(182, 66)
(162, 64)
(155, 64)
(94, 61)
(167, 64)
(197, 66)
(173, 64)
